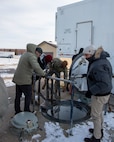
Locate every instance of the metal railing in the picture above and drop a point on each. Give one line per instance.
(50, 92)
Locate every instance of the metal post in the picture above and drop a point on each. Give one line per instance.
(39, 84)
(51, 91)
(71, 113)
(72, 98)
(34, 89)
(47, 88)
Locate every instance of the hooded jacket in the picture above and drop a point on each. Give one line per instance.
(27, 64)
(99, 75)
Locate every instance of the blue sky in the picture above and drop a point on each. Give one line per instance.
(28, 21)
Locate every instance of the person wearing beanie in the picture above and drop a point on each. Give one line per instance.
(38, 49)
(48, 59)
(43, 60)
(89, 50)
(46, 63)
(99, 82)
(23, 76)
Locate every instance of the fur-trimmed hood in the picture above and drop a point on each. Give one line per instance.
(100, 53)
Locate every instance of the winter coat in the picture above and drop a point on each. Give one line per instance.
(27, 64)
(41, 61)
(3, 98)
(99, 75)
(56, 65)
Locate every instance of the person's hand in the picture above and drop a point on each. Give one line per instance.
(46, 75)
(88, 94)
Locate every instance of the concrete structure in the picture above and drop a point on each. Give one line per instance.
(49, 48)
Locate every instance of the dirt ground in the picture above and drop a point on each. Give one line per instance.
(9, 134)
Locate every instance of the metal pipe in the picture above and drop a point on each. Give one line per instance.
(60, 79)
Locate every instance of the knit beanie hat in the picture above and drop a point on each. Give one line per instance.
(89, 50)
(48, 58)
(38, 49)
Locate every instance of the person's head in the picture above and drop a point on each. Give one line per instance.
(89, 51)
(64, 64)
(38, 51)
(48, 58)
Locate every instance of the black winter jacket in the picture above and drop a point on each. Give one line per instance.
(99, 75)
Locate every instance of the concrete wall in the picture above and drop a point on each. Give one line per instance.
(48, 49)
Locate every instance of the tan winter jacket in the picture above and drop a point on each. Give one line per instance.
(27, 64)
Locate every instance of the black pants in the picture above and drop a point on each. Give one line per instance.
(27, 90)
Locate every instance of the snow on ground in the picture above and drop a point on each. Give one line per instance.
(54, 132)
(5, 64)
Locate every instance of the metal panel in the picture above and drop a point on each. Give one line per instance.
(84, 34)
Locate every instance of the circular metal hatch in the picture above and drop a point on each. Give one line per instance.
(25, 121)
(61, 112)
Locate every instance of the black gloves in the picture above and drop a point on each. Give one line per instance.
(88, 94)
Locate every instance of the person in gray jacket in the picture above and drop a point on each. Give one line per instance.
(23, 76)
(99, 81)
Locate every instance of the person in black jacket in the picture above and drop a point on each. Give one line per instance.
(43, 61)
(47, 61)
(99, 81)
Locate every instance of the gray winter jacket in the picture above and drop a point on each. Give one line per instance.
(27, 64)
(99, 75)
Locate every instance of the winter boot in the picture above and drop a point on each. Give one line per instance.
(92, 139)
(91, 131)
